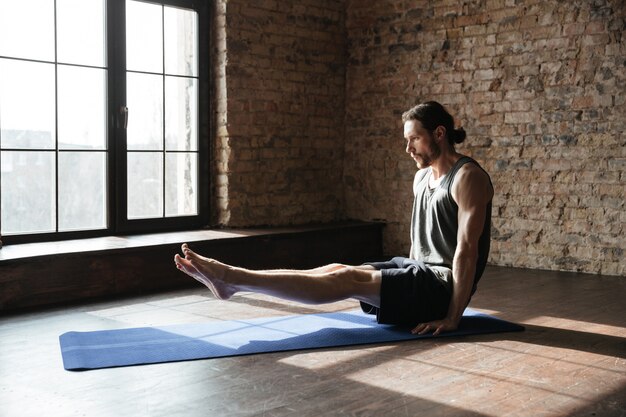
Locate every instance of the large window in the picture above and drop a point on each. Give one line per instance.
(102, 105)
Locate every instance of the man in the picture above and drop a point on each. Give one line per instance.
(450, 232)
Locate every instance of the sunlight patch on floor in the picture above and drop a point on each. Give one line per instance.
(577, 325)
(558, 377)
(331, 359)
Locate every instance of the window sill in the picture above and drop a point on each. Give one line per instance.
(113, 243)
(37, 274)
(117, 243)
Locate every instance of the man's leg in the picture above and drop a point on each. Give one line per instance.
(318, 270)
(327, 284)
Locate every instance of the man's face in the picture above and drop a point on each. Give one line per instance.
(420, 144)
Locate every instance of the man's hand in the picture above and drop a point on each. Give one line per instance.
(436, 326)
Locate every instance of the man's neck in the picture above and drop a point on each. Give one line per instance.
(442, 165)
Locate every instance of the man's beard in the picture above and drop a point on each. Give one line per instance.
(424, 161)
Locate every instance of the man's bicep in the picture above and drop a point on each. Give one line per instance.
(471, 223)
(473, 194)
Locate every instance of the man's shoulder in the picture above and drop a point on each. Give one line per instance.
(472, 178)
(471, 170)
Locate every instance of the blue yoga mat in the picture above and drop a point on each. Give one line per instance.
(145, 345)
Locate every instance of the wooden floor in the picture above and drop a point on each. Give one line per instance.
(571, 360)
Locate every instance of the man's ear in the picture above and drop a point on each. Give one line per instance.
(440, 132)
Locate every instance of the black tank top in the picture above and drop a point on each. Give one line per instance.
(434, 224)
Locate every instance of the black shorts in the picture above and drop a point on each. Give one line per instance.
(410, 293)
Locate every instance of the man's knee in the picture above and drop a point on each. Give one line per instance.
(363, 285)
(334, 267)
(350, 275)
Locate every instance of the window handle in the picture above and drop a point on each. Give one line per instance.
(124, 113)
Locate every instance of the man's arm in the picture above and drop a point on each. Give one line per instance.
(472, 192)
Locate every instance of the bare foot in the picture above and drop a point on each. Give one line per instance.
(211, 273)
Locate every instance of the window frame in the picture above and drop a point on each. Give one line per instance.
(117, 223)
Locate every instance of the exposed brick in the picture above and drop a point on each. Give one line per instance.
(308, 97)
(617, 164)
(270, 93)
(542, 100)
(521, 117)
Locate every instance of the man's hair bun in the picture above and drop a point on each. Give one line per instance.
(457, 135)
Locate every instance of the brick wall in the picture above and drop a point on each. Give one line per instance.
(539, 88)
(309, 95)
(279, 100)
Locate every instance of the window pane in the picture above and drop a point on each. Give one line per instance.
(82, 113)
(80, 32)
(82, 184)
(145, 185)
(144, 95)
(181, 173)
(27, 29)
(28, 192)
(181, 45)
(144, 37)
(26, 104)
(181, 113)
(162, 105)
